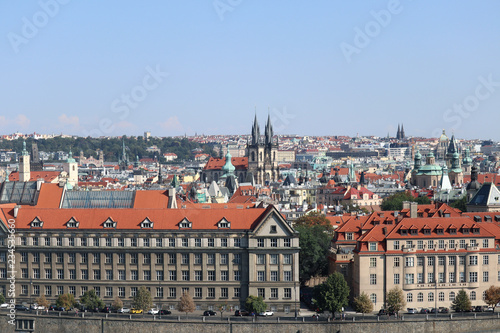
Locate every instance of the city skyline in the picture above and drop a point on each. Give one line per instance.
(173, 69)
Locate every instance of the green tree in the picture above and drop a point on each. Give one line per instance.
(142, 300)
(363, 304)
(462, 302)
(67, 301)
(395, 201)
(492, 296)
(90, 300)
(186, 304)
(42, 301)
(255, 304)
(460, 204)
(117, 303)
(314, 248)
(395, 299)
(333, 294)
(2, 298)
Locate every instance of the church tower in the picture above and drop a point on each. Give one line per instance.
(262, 155)
(24, 165)
(71, 168)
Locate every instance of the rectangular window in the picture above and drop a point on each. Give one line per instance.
(348, 236)
(48, 258)
(84, 258)
(261, 292)
(96, 241)
(430, 244)
(48, 274)
(430, 278)
(48, 290)
(420, 245)
(172, 275)
(224, 258)
(260, 242)
(274, 242)
(224, 275)
(287, 259)
(172, 292)
(451, 261)
(462, 244)
(146, 242)
(274, 276)
(237, 276)
(172, 259)
(441, 244)
(185, 258)
(485, 243)
(211, 275)
(197, 259)
(58, 241)
(373, 262)
(47, 241)
(485, 276)
(60, 290)
(237, 242)
(261, 276)
(451, 277)
(185, 275)
(159, 292)
(211, 293)
(211, 259)
(36, 257)
(121, 274)
(274, 292)
(462, 260)
(396, 261)
(441, 277)
(109, 292)
(472, 276)
(211, 242)
(430, 261)
(159, 243)
(133, 242)
(223, 292)
(134, 275)
(373, 279)
(147, 275)
(72, 290)
(121, 291)
(108, 259)
(108, 242)
(372, 246)
(134, 258)
(237, 292)
(146, 259)
(159, 258)
(261, 259)
(97, 274)
(97, 258)
(24, 289)
(486, 260)
(287, 275)
(133, 291)
(60, 274)
(159, 276)
(171, 242)
(223, 242)
(461, 275)
(409, 278)
(420, 277)
(409, 261)
(197, 292)
(197, 242)
(185, 242)
(441, 260)
(72, 274)
(396, 278)
(198, 275)
(451, 243)
(274, 259)
(472, 260)
(287, 242)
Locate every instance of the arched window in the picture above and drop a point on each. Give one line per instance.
(373, 298)
(430, 297)
(420, 297)
(409, 297)
(253, 156)
(452, 296)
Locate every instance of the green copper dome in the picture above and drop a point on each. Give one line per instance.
(228, 168)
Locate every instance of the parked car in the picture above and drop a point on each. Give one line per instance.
(478, 308)
(20, 307)
(60, 308)
(424, 310)
(209, 313)
(106, 309)
(266, 313)
(135, 311)
(384, 312)
(165, 312)
(489, 309)
(123, 310)
(241, 313)
(153, 311)
(4, 305)
(412, 310)
(443, 310)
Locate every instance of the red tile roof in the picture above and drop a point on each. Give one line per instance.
(240, 163)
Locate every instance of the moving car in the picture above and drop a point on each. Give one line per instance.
(135, 311)
(4, 305)
(123, 310)
(209, 313)
(266, 313)
(153, 311)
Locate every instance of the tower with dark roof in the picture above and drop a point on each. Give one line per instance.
(262, 155)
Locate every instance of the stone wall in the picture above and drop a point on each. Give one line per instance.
(101, 325)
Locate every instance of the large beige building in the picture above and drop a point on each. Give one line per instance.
(114, 242)
(429, 252)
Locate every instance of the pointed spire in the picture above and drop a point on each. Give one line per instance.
(398, 133)
(25, 152)
(255, 131)
(269, 130)
(402, 131)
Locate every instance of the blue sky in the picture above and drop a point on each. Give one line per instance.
(319, 68)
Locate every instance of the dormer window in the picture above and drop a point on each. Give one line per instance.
(413, 231)
(72, 223)
(453, 231)
(36, 223)
(403, 232)
(465, 230)
(224, 224)
(109, 224)
(185, 224)
(475, 230)
(147, 224)
(273, 229)
(446, 214)
(427, 231)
